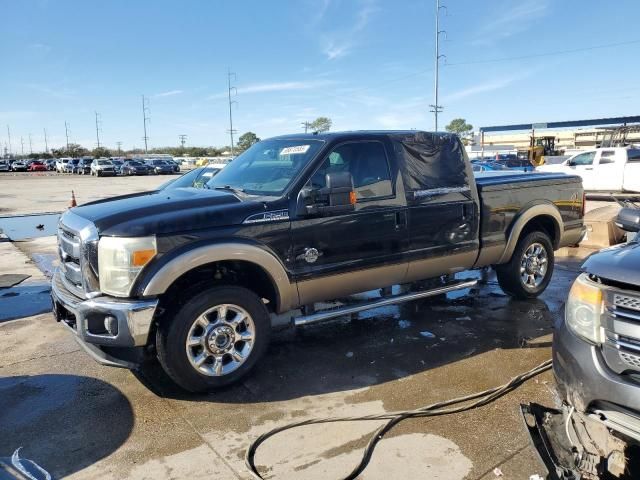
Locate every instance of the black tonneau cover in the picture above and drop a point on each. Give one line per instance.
(486, 180)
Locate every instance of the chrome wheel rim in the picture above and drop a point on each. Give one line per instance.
(220, 340)
(534, 265)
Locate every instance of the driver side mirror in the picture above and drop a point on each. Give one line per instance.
(629, 219)
(337, 197)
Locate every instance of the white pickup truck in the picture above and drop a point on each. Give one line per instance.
(615, 169)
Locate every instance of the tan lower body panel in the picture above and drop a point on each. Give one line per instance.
(333, 286)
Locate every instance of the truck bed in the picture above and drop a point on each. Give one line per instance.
(501, 178)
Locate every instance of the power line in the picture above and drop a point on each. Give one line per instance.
(22, 145)
(436, 107)
(183, 139)
(145, 119)
(119, 144)
(546, 54)
(30, 146)
(231, 102)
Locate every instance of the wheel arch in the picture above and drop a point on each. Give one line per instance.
(238, 263)
(542, 217)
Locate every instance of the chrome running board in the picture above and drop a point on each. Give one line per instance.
(380, 302)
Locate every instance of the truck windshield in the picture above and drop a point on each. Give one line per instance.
(267, 167)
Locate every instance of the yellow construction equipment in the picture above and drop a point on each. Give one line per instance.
(538, 148)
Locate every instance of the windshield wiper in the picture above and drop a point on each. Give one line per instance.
(229, 188)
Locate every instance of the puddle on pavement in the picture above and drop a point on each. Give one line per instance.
(46, 262)
(23, 227)
(24, 301)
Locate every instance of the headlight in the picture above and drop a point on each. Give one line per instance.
(120, 261)
(584, 309)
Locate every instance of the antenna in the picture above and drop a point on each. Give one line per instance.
(436, 107)
(66, 132)
(9, 135)
(231, 102)
(98, 123)
(145, 119)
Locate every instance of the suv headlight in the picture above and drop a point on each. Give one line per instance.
(584, 310)
(120, 260)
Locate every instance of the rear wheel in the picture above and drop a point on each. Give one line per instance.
(529, 271)
(214, 339)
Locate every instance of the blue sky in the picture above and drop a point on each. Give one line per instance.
(364, 63)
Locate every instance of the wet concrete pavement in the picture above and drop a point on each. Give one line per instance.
(78, 419)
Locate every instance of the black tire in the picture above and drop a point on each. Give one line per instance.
(173, 330)
(510, 275)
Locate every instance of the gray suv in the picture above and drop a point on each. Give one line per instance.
(102, 167)
(596, 362)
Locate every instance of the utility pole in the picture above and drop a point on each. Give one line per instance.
(46, 144)
(9, 136)
(66, 132)
(231, 130)
(22, 145)
(119, 144)
(145, 119)
(183, 139)
(306, 126)
(97, 128)
(30, 145)
(436, 107)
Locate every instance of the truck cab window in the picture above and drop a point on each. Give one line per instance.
(366, 161)
(584, 159)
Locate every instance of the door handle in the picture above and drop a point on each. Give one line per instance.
(401, 220)
(588, 168)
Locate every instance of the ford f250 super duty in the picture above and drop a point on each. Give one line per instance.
(198, 276)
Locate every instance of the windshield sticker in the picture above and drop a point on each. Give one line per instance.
(295, 150)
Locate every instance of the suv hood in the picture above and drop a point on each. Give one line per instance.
(166, 211)
(620, 263)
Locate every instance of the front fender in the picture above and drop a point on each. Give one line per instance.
(168, 273)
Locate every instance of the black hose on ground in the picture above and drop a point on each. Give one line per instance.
(393, 418)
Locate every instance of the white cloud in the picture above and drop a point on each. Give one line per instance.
(275, 87)
(339, 43)
(170, 93)
(514, 18)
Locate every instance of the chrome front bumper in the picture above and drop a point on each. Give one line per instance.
(133, 318)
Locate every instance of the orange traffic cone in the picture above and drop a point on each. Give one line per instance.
(73, 202)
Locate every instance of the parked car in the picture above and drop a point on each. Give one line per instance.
(102, 167)
(37, 166)
(71, 165)
(50, 164)
(19, 166)
(134, 167)
(176, 165)
(4, 165)
(83, 167)
(117, 165)
(596, 362)
(160, 167)
(201, 275)
(487, 166)
(196, 178)
(615, 169)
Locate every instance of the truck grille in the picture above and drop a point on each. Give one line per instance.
(77, 248)
(630, 359)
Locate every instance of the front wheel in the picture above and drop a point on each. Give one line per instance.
(529, 271)
(214, 339)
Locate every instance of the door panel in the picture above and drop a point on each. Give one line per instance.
(352, 252)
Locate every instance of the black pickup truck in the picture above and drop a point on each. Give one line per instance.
(198, 276)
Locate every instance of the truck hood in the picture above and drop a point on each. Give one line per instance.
(620, 263)
(167, 211)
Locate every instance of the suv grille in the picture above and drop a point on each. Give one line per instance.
(630, 359)
(625, 301)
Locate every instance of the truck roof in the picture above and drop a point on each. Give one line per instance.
(357, 133)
